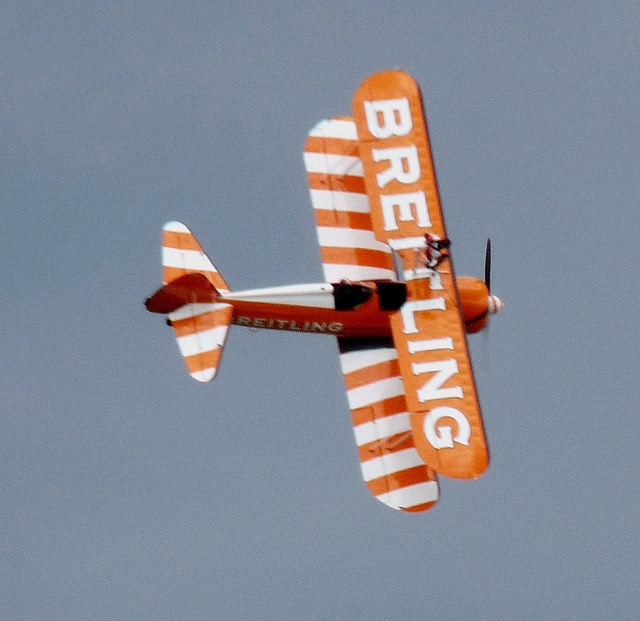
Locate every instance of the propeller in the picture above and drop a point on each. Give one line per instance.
(495, 303)
(487, 265)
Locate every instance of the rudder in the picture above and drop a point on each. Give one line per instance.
(182, 254)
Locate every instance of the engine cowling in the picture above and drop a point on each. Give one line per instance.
(477, 303)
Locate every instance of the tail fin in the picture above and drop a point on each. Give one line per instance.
(182, 254)
(190, 298)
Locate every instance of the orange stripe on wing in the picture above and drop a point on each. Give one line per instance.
(356, 256)
(420, 508)
(335, 146)
(371, 374)
(381, 409)
(385, 446)
(341, 183)
(344, 219)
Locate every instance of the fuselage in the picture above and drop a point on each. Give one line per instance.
(306, 308)
(312, 308)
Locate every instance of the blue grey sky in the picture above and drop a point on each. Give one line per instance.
(129, 491)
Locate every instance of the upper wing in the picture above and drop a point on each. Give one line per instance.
(336, 183)
(391, 466)
(429, 330)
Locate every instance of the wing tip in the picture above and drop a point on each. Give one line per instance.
(339, 127)
(419, 508)
(175, 227)
(413, 498)
(204, 376)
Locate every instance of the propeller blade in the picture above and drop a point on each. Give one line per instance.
(487, 266)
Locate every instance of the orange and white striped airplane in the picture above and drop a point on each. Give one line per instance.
(400, 318)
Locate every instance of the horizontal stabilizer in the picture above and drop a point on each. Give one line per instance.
(191, 300)
(201, 336)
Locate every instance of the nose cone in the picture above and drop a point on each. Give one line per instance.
(495, 304)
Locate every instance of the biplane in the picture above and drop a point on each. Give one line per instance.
(400, 319)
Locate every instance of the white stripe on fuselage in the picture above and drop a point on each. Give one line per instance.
(315, 295)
